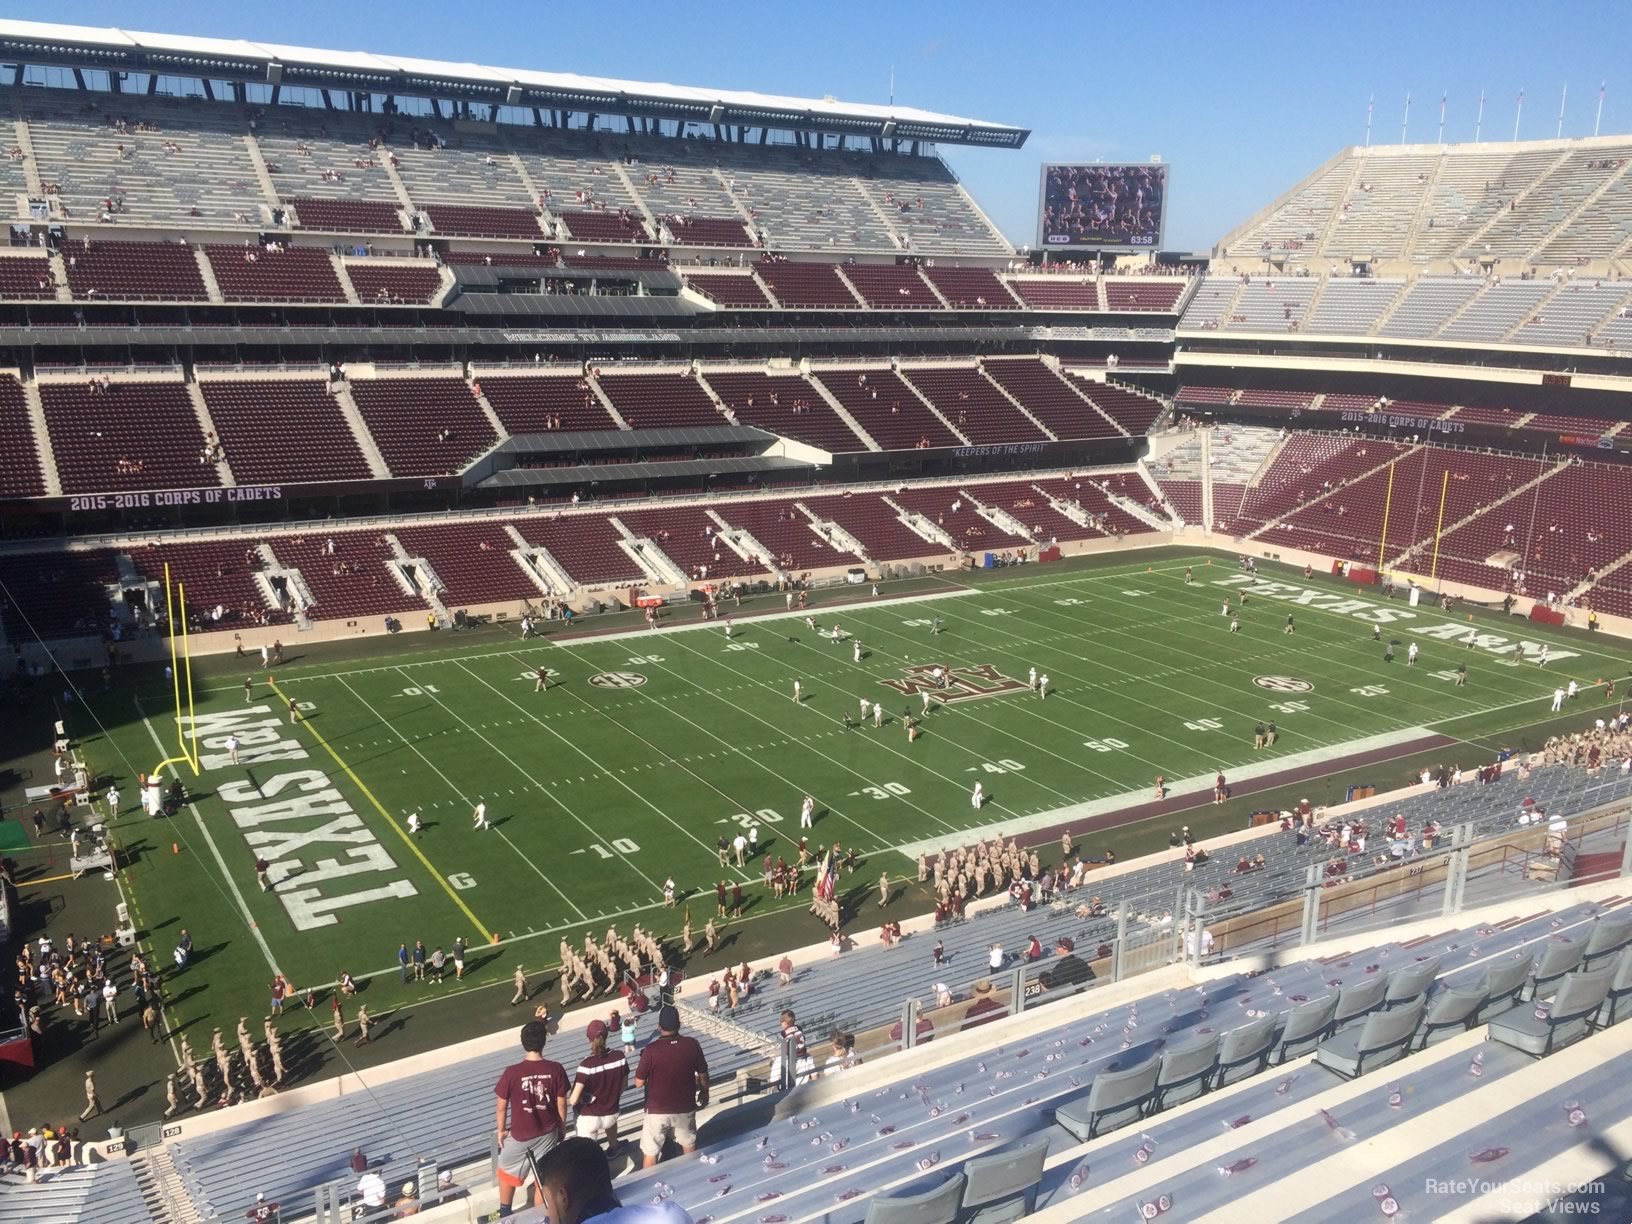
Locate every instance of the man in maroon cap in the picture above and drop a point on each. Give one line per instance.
(1069, 970)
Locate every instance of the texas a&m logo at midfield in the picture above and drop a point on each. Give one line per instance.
(967, 683)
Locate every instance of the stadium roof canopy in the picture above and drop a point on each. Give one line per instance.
(116, 50)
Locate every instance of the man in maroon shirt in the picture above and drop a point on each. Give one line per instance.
(674, 1074)
(534, 1091)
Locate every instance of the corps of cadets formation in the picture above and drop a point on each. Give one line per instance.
(998, 865)
(1610, 742)
(602, 966)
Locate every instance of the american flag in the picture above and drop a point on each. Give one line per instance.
(827, 877)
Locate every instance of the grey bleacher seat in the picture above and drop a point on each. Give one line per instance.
(1407, 983)
(1452, 1012)
(1185, 1070)
(1609, 936)
(1359, 1000)
(1003, 1186)
(1117, 1097)
(1620, 987)
(1245, 1050)
(1307, 1025)
(1382, 1039)
(1501, 987)
(1541, 1030)
(937, 1206)
(1557, 961)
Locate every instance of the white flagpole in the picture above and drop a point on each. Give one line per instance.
(1479, 123)
(1599, 118)
(1370, 102)
(1442, 118)
(1406, 122)
(1517, 114)
(1562, 98)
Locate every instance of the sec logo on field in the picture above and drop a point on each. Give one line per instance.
(617, 680)
(1283, 684)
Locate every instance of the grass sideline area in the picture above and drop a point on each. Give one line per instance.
(648, 746)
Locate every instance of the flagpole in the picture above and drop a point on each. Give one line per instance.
(1442, 118)
(1406, 122)
(1599, 118)
(1480, 121)
(1370, 102)
(1562, 98)
(1517, 114)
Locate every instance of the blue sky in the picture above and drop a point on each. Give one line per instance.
(1242, 98)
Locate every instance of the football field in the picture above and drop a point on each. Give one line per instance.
(648, 747)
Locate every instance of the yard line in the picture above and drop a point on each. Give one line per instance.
(215, 852)
(599, 768)
(456, 790)
(379, 807)
(737, 750)
(966, 710)
(1402, 676)
(956, 782)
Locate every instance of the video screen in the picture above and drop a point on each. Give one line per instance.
(1103, 206)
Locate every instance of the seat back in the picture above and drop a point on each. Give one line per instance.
(1184, 1070)
(1004, 1180)
(1360, 998)
(1620, 987)
(1306, 1024)
(937, 1206)
(1609, 935)
(1407, 983)
(1244, 1051)
(1501, 985)
(1580, 994)
(1558, 960)
(1124, 1092)
(1452, 1010)
(1387, 1034)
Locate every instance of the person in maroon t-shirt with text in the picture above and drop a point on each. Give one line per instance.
(674, 1074)
(534, 1091)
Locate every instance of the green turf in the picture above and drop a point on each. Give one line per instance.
(598, 793)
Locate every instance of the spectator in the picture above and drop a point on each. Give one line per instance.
(576, 1185)
(371, 1190)
(674, 1074)
(986, 1007)
(597, 1088)
(534, 1091)
(1069, 970)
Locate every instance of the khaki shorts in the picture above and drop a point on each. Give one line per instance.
(658, 1127)
(514, 1169)
(597, 1126)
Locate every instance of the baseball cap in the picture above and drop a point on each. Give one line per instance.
(668, 1018)
(597, 1028)
(1065, 944)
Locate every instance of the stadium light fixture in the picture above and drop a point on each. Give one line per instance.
(274, 73)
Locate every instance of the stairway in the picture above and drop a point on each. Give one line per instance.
(346, 287)
(640, 200)
(212, 290)
(832, 402)
(163, 1191)
(206, 423)
(263, 176)
(42, 439)
(488, 410)
(377, 467)
(606, 402)
(938, 414)
(1024, 411)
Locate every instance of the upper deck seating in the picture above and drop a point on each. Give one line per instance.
(1049, 398)
(423, 426)
(278, 430)
(133, 435)
(783, 404)
(976, 408)
(660, 401)
(886, 408)
(543, 403)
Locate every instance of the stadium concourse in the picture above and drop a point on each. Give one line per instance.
(503, 503)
